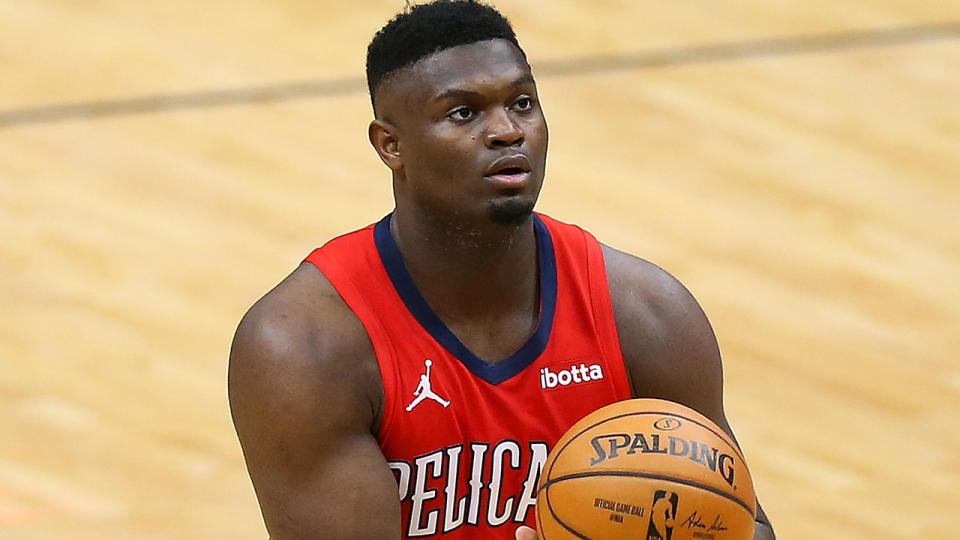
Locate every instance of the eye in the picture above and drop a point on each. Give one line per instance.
(461, 114)
(523, 104)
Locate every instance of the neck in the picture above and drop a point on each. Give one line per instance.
(470, 272)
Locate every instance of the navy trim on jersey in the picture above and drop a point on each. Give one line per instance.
(492, 373)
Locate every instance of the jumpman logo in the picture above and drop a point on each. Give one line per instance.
(424, 391)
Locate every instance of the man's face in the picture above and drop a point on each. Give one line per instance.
(471, 136)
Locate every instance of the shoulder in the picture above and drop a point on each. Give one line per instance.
(668, 345)
(302, 339)
(305, 399)
(646, 294)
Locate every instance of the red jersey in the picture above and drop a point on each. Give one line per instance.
(467, 439)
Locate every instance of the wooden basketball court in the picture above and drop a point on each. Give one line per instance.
(163, 164)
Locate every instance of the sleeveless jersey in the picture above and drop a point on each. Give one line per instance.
(466, 439)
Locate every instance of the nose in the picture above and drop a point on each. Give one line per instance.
(503, 131)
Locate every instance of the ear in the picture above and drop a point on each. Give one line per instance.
(383, 137)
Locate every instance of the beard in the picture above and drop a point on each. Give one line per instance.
(512, 211)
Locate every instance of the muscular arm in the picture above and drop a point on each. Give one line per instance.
(668, 346)
(305, 397)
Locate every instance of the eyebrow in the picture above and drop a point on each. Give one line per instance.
(526, 78)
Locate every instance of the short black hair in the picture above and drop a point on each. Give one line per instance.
(424, 29)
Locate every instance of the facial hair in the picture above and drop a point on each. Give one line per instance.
(513, 211)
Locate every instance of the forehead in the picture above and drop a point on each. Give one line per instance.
(476, 63)
(484, 64)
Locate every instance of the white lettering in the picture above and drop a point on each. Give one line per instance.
(596, 372)
(453, 517)
(550, 379)
(566, 377)
(403, 477)
(528, 499)
(497, 477)
(488, 484)
(421, 494)
(476, 481)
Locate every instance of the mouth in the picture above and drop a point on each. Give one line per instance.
(510, 175)
(510, 171)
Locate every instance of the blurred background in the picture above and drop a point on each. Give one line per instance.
(163, 164)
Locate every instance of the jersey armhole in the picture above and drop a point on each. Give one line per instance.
(352, 295)
(604, 316)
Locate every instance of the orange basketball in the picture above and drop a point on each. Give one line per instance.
(645, 469)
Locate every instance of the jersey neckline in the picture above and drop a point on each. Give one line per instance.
(424, 314)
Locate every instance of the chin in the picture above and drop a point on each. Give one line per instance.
(512, 211)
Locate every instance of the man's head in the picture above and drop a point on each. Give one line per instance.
(457, 115)
(424, 29)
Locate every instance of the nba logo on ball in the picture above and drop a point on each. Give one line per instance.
(663, 513)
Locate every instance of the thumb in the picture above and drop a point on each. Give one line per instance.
(526, 533)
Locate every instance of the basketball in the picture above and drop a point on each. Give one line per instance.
(645, 469)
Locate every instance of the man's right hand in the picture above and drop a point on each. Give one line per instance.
(526, 533)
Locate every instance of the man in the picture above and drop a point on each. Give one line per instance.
(438, 354)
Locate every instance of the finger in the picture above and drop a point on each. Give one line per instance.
(526, 533)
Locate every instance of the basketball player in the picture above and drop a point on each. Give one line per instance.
(408, 379)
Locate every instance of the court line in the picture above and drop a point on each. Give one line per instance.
(839, 41)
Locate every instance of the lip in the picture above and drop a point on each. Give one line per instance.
(501, 173)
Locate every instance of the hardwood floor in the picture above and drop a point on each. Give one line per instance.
(795, 164)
